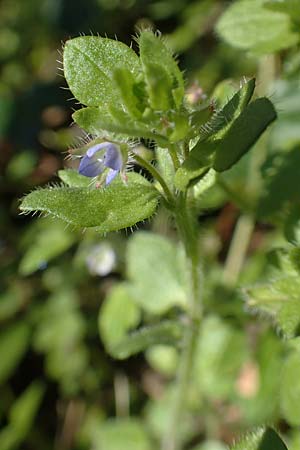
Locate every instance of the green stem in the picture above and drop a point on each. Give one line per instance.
(157, 176)
(238, 249)
(173, 152)
(188, 233)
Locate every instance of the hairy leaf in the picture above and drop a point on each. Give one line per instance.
(279, 299)
(154, 51)
(73, 179)
(243, 133)
(109, 209)
(89, 65)
(96, 121)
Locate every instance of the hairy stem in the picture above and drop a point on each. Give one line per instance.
(188, 233)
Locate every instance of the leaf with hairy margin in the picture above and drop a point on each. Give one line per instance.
(109, 209)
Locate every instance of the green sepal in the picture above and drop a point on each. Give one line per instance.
(109, 209)
(164, 333)
(154, 51)
(243, 133)
(89, 65)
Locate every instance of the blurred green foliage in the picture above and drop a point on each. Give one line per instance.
(59, 387)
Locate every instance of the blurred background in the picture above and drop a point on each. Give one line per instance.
(59, 388)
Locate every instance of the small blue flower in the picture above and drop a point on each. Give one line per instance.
(98, 158)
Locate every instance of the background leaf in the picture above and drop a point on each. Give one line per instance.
(248, 25)
(157, 273)
(118, 315)
(280, 300)
(261, 440)
(165, 333)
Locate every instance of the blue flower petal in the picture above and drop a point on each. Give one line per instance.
(111, 175)
(113, 157)
(90, 167)
(96, 148)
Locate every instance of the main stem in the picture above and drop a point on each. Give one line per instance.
(188, 234)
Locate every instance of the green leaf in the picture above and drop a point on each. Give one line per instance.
(23, 411)
(156, 268)
(109, 209)
(73, 179)
(262, 439)
(125, 434)
(278, 299)
(163, 359)
(89, 66)
(118, 315)
(125, 82)
(165, 166)
(155, 55)
(243, 133)
(195, 166)
(277, 192)
(248, 25)
(96, 121)
(21, 417)
(292, 226)
(165, 333)
(204, 184)
(200, 157)
(290, 7)
(13, 345)
(222, 120)
(221, 349)
(50, 240)
(61, 330)
(159, 85)
(290, 389)
(210, 445)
